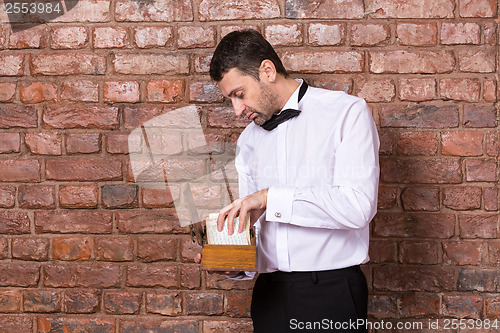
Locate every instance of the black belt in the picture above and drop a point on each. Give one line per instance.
(280, 276)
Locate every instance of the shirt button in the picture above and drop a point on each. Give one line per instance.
(277, 214)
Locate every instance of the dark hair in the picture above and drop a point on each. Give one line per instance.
(244, 50)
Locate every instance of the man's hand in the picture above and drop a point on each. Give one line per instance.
(254, 204)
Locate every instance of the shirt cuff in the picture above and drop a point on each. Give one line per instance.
(279, 204)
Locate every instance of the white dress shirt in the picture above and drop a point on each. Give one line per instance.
(322, 171)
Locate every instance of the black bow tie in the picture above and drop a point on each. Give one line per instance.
(286, 114)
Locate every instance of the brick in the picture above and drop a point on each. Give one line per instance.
(95, 275)
(376, 90)
(145, 221)
(387, 197)
(124, 91)
(10, 302)
(11, 65)
(81, 116)
(478, 226)
(33, 38)
(81, 324)
(4, 251)
(462, 253)
(10, 143)
(149, 37)
(462, 143)
(88, 11)
(225, 29)
(410, 9)
(122, 302)
(418, 252)
(86, 143)
(43, 143)
(477, 60)
(165, 91)
(323, 61)
(135, 116)
(212, 10)
(492, 307)
(220, 281)
(202, 63)
(68, 64)
(407, 278)
(419, 34)
(492, 143)
(382, 306)
(205, 143)
(479, 279)
(224, 117)
(80, 91)
(150, 325)
(36, 196)
(91, 222)
(480, 170)
(238, 304)
(460, 89)
(7, 196)
(37, 92)
(83, 170)
(489, 32)
(225, 326)
(165, 303)
(19, 274)
(382, 251)
(462, 198)
(33, 249)
(416, 143)
(480, 116)
(462, 306)
(419, 304)
(205, 92)
(420, 199)
(119, 196)
(3, 37)
(81, 301)
(18, 116)
(152, 275)
(411, 62)
(189, 249)
(435, 171)
(493, 253)
(16, 323)
(72, 248)
(69, 37)
(109, 37)
(205, 303)
(322, 34)
(19, 170)
(420, 225)
(477, 8)
(284, 34)
(42, 301)
(162, 11)
(190, 276)
(489, 90)
(333, 83)
(14, 222)
(78, 196)
(7, 91)
(114, 249)
(151, 249)
(417, 90)
(346, 9)
(370, 34)
(196, 37)
(460, 33)
(119, 143)
(491, 199)
(150, 63)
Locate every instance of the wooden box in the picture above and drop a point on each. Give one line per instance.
(229, 258)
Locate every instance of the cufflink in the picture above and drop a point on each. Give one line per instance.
(277, 214)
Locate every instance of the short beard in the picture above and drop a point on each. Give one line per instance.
(266, 103)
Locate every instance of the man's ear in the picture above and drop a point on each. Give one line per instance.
(267, 71)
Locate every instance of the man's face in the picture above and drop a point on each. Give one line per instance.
(251, 99)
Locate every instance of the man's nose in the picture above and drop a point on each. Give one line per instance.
(238, 107)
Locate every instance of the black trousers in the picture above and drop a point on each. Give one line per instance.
(323, 301)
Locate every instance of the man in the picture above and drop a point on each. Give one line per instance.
(309, 181)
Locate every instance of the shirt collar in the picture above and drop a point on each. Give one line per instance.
(292, 102)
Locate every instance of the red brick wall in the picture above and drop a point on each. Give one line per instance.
(84, 248)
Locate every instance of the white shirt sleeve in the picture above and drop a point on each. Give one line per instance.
(350, 200)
